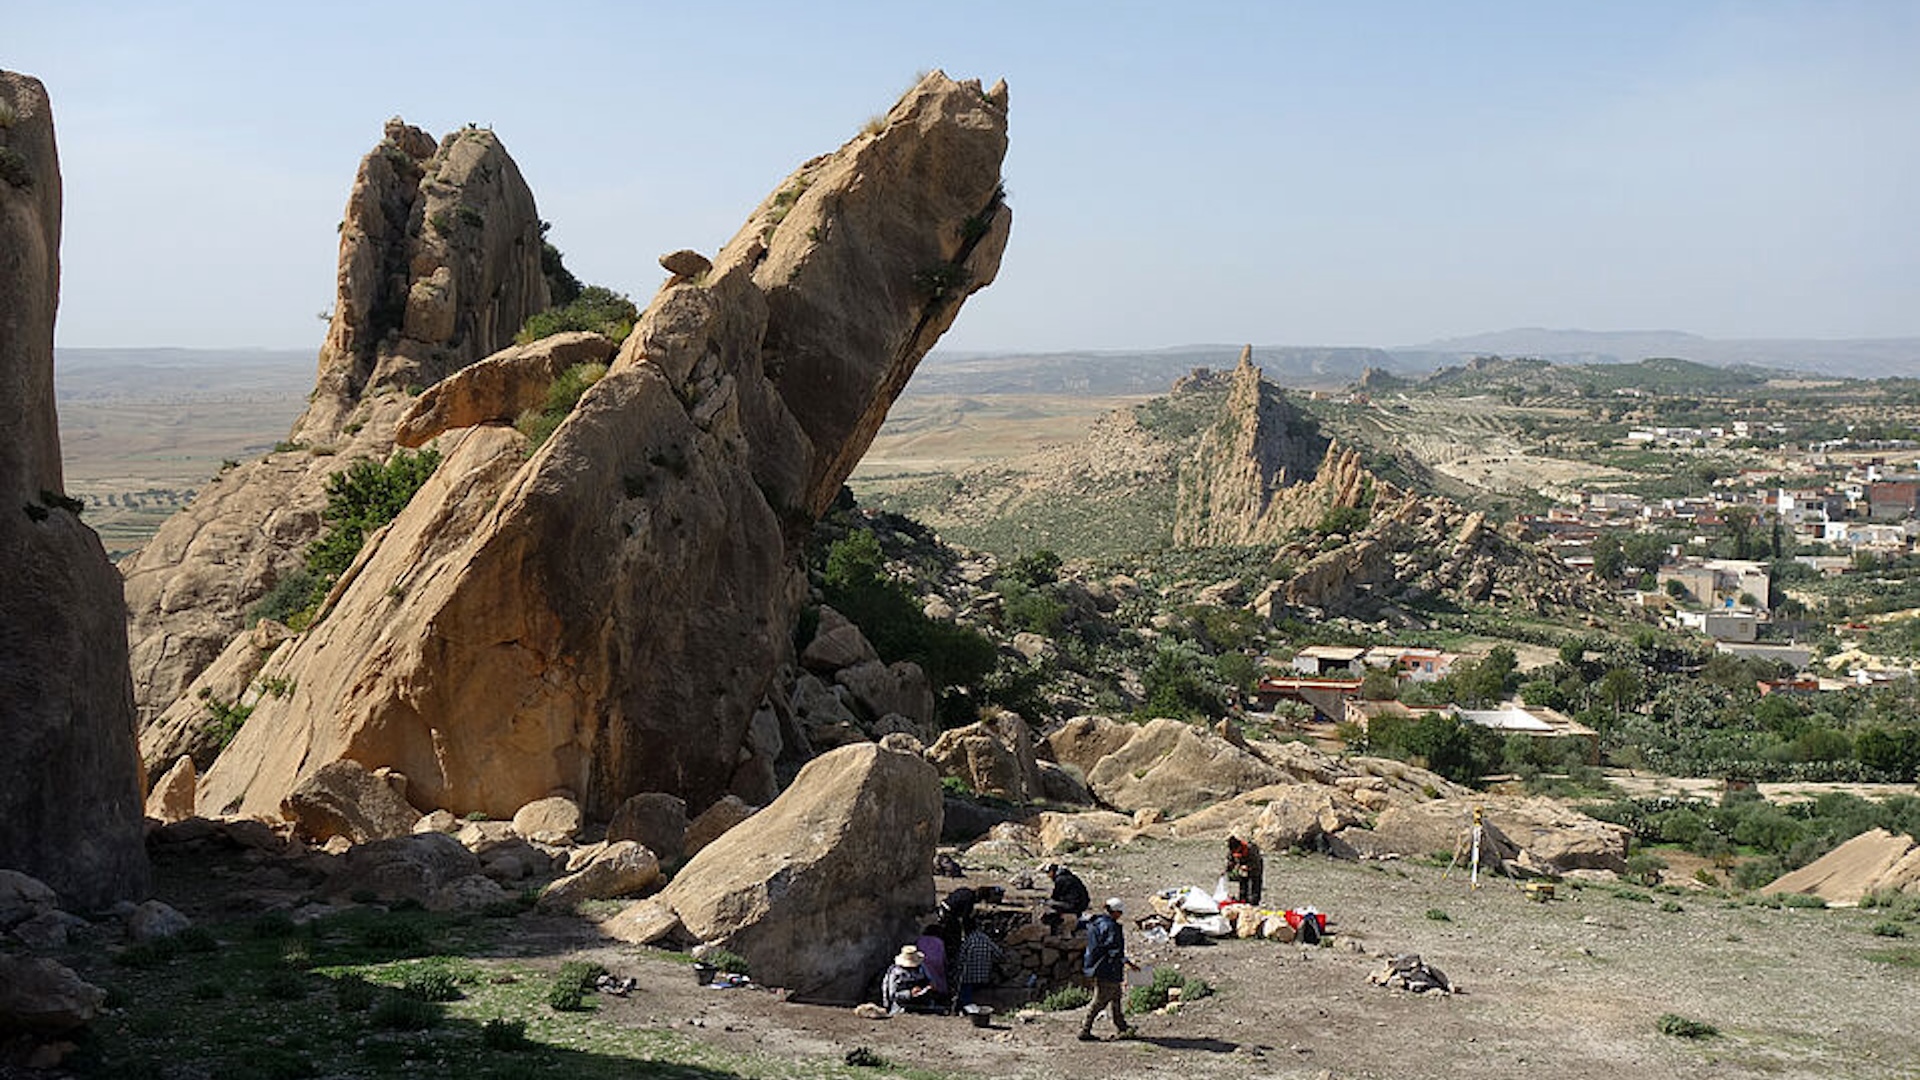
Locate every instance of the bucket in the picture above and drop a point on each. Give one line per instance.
(703, 973)
(981, 1015)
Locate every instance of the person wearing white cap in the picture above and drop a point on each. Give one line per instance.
(906, 984)
(1106, 963)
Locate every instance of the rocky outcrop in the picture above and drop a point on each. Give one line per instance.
(342, 798)
(606, 614)
(190, 726)
(992, 757)
(1261, 470)
(1536, 836)
(819, 889)
(70, 779)
(439, 267)
(1176, 768)
(1876, 861)
(501, 387)
(41, 997)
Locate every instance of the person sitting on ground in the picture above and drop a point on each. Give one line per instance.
(1245, 866)
(1069, 895)
(1105, 963)
(905, 985)
(933, 957)
(978, 954)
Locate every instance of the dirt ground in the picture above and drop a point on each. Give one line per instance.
(1569, 989)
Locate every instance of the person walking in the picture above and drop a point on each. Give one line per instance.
(1106, 963)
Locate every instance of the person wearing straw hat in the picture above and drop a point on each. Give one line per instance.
(906, 985)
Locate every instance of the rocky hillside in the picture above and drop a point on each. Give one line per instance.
(1225, 460)
(604, 613)
(70, 783)
(439, 266)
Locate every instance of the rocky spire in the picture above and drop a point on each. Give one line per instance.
(70, 781)
(439, 267)
(605, 614)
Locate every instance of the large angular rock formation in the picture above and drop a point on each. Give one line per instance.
(604, 613)
(1262, 470)
(819, 889)
(439, 267)
(70, 781)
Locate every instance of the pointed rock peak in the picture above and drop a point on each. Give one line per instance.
(1246, 357)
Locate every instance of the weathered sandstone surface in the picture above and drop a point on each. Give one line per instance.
(439, 267)
(71, 787)
(605, 614)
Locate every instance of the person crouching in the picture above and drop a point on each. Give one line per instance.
(906, 986)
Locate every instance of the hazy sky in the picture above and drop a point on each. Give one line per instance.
(1364, 173)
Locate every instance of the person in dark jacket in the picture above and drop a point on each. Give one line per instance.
(1106, 963)
(1245, 866)
(1069, 895)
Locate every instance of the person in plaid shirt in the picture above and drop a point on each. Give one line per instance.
(974, 969)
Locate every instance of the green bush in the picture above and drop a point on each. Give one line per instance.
(723, 960)
(1437, 915)
(562, 395)
(596, 308)
(1888, 929)
(1156, 994)
(431, 984)
(1682, 1028)
(1066, 998)
(397, 1012)
(367, 495)
(506, 1035)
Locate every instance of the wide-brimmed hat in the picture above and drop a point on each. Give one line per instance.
(910, 956)
(1114, 905)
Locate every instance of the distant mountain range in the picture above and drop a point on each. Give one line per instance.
(1151, 371)
(162, 373)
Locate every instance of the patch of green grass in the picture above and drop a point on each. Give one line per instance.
(398, 1012)
(1905, 957)
(1682, 1028)
(1888, 929)
(1437, 915)
(1067, 998)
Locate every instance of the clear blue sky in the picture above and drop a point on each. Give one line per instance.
(1283, 173)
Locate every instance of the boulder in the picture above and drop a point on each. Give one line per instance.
(470, 893)
(403, 868)
(501, 387)
(41, 997)
(555, 819)
(624, 868)
(818, 889)
(439, 266)
(1060, 785)
(714, 822)
(685, 263)
(992, 757)
(963, 819)
(50, 930)
(655, 820)
(172, 796)
(1526, 835)
(1876, 861)
(1034, 648)
(1177, 768)
(648, 922)
(153, 920)
(1082, 741)
(22, 897)
(836, 644)
(71, 784)
(343, 799)
(440, 821)
(897, 689)
(1060, 833)
(823, 715)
